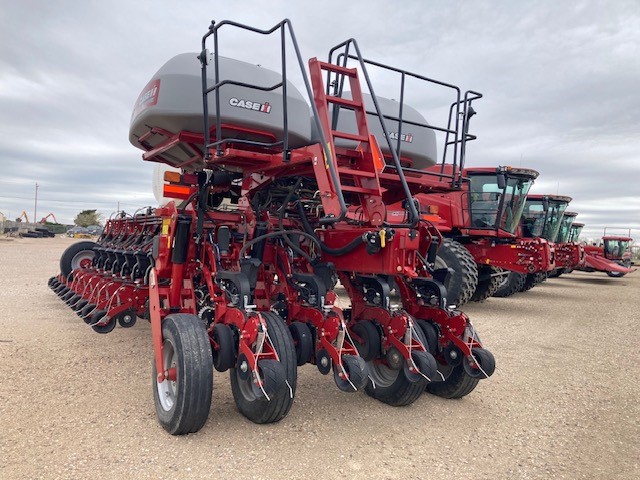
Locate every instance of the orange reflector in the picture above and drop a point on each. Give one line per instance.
(174, 177)
(433, 209)
(178, 191)
(431, 218)
(378, 159)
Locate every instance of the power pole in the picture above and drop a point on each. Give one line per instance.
(35, 206)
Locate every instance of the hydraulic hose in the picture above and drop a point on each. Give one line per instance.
(336, 252)
(280, 233)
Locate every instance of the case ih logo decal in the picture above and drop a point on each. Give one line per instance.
(249, 105)
(148, 97)
(405, 137)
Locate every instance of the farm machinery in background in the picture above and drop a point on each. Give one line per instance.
(569, 252)
(541, 222)
(613, 256)
(237, 272)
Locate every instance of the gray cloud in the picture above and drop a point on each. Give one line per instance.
(559, 81)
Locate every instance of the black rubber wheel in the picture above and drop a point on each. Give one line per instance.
(67, 295)
(356, 369)
(182, 406)
(255, 407)
(555, 273)
(80, 305)
(107, 327)
(74, 298)
(84, 313)
(616, 274)
(75, 255)
(431, 334)
(487, 363)
(127, 319)
(224, 357)
(426, 363)
(391, 385)
(462, 283)
(457, 383)
(488, 283)
(371, 345)
(532, 280)
(303, 342)
(50, 281)
(510, 284)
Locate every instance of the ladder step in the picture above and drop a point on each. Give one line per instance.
(349, 72)
(350, 136)
(365, 191)
(344, 102)
(356, 173)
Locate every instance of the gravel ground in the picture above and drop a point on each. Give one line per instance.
(563, 403)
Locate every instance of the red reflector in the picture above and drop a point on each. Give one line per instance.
(178, 191)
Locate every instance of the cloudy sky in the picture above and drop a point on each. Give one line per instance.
(560, 82)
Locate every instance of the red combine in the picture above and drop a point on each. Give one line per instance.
(569, 252)
(480, 222)
(541, 221)
(613, 256)
(237, 272)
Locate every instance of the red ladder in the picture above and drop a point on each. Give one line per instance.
(358, 169)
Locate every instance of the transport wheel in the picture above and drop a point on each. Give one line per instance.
(182, 405)
(487, 363)
(107, 327)
(532, 280)
(127, 319)
(510, 284)
(224, 357)
(391, 385)
(463, 281)
(254, 405)
(75, 256)
(356, 368)
(303, 342)
(488, 283)
(371, 345)
(430, 333)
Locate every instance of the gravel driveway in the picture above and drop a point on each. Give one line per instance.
(563, 403)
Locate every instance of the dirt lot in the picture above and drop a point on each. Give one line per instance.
(563, 403)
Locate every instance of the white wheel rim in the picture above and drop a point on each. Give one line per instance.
(80, 256)
(167, 389)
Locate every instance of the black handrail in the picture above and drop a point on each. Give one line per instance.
(283, 27)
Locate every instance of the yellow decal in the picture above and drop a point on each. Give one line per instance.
(326, 159)
(165, 226)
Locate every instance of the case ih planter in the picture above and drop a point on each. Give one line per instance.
(237, 273)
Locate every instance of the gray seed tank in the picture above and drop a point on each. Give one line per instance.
(172, 101)
(417, 143)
